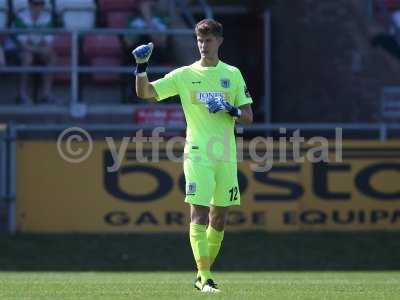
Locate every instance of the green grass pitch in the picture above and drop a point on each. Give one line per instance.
(178, 285)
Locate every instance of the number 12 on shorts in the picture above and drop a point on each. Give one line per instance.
(233, 193)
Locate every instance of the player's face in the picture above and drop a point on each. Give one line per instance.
(208, 45)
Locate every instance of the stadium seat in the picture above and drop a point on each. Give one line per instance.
(62, 5)
(62, 44)
(101, 45)
(116, 13)
(117, 5)
(78, 19)
(117, 19)
(392, 4)
(106, 77)
(62, 48)
(76, 14)
(20, 4)
(3, 13)
(103, 50)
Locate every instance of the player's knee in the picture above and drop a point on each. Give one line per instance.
(217, 221)
(203, 220)
(199, 215)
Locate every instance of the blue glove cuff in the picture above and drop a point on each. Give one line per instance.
(235, 112)
(141, 68)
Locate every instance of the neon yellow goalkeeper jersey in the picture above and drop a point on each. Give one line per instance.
(208, 136)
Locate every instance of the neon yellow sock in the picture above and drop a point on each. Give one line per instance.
(199, 243)
(214, 238)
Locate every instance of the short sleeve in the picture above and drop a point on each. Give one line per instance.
(243, 96)
(166, 87)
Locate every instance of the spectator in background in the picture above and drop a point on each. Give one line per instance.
(390, 41)
(35, 47)
(146, 19)
(395, 29)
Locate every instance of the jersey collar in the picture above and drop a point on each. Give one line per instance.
(200, 67)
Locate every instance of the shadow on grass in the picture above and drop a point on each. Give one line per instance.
(252, 251)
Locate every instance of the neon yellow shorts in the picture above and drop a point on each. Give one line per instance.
(211, 183)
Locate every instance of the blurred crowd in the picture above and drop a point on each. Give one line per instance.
(43, 49)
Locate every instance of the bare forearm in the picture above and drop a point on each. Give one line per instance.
(143, 87)
(245, 118)
(247, 115)
(140, 85)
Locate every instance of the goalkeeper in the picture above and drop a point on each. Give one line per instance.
(213, 96)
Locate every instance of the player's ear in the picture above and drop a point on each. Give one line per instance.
(220, 40)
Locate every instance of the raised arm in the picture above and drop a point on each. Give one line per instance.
(143, 87)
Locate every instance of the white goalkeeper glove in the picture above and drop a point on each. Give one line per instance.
(142, 55)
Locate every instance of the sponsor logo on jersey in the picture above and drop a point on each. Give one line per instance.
(207, 96)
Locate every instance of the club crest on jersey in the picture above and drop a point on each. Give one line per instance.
(225, 83)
